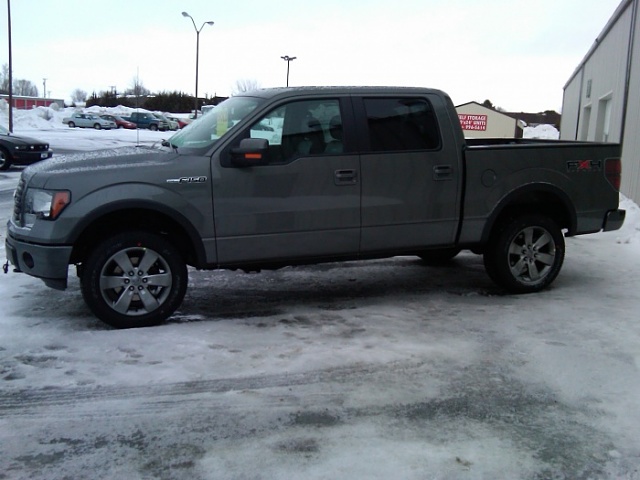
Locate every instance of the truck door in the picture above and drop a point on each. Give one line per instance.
(305, 202)
(410, 174)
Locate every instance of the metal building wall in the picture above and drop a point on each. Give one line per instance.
(571, 108)
(631, 141)
(594, 97)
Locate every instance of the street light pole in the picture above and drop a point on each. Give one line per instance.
(10, 68)
(44, 88)
(288, 59)
(185, 14)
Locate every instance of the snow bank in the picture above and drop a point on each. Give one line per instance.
(48, 118)
(548, 132)
(630, 231)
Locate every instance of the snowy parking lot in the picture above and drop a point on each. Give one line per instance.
(384, 369)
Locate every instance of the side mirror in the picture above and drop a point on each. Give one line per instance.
(252, 152)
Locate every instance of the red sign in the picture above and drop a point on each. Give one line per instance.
(473, 122)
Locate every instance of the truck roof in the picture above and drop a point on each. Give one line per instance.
(337, 90)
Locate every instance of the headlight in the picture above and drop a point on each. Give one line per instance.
(44, 204)
(21, 147)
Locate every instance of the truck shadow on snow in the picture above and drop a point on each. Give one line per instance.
(217, 295)
(226, 295)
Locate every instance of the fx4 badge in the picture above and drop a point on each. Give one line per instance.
(584, 166)
(187, 180)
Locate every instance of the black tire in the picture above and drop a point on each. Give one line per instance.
(5, 159)
(153, 127)
(72, 125)
(439, 256)
(134, 279)
(97, 126)
(525, 254)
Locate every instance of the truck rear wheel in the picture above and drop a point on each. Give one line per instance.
(153, 127)
(526, 254)
(134, 279)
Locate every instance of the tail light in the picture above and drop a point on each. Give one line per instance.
(613, 172)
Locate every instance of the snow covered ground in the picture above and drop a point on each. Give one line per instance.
(384, 369)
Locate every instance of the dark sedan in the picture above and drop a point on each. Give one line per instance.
(119, 121)
(19, 150)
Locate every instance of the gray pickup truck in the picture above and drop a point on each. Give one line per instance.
(290, 176)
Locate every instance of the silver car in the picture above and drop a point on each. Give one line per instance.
(88, 120)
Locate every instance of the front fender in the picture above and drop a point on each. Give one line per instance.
(187, 205)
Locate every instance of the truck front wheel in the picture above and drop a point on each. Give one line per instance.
(134, 279)
(526, 254)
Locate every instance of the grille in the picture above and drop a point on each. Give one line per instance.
(18, 197)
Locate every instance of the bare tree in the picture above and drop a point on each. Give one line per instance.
(25, 88)
(245, 85)
(137, 88)
(4, 78)
(78, 96)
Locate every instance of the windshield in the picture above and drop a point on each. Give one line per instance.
(213, 125)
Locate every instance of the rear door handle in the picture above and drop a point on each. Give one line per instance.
(442, 172)
(345, 177)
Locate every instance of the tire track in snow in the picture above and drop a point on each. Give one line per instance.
(28, 401)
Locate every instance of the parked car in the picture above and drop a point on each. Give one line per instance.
(19, 150)
(182, 122)
(148, 120)
(88, 120)
(119, 121)
(173, 125)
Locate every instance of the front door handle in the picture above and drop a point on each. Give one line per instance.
(345, 177)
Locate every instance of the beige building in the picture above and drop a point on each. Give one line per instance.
(478, 121)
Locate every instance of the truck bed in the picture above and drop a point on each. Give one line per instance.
(499, 170)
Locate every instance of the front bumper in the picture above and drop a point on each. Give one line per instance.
(613, 220)
(27, 157)
(47, 262)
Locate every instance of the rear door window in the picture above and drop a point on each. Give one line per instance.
(401, 124)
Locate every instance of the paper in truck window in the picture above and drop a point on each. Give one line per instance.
(223, 122)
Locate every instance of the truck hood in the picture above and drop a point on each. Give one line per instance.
(96, 163)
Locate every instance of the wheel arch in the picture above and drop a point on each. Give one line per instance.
(152, 218)
(537, 198)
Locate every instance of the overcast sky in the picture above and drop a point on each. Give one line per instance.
(519, 54)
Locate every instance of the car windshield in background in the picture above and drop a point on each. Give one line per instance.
(212, 126)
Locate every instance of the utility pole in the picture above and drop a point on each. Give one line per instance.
(288, 59)
(44, 88)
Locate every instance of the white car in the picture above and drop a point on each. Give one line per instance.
(88, 120)
(172, 125)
